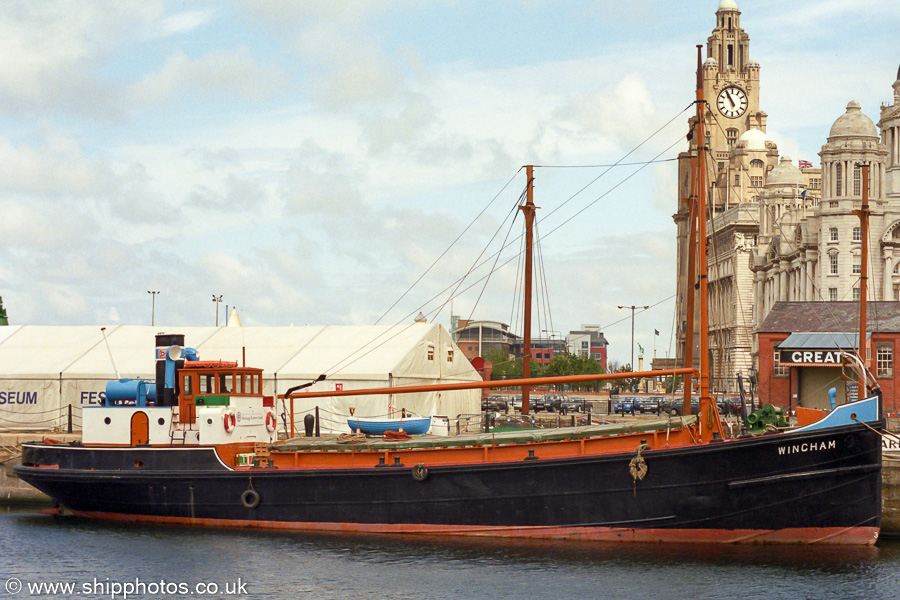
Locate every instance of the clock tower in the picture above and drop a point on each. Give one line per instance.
(740, 158)
(730, 86)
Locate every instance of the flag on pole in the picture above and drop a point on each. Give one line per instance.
(656, 331)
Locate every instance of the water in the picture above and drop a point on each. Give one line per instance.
(253, 564)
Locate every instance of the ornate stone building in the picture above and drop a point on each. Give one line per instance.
(778, 232)
(741, 157)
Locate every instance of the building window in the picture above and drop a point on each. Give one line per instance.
(450, 356)
(732, 135)
(737, 180)
(838, 179)
(884, 356)
(756, 164)
(857, 172)
(814, 183)
(832, 294)
(833, 264)
(857, 234)
(756, 181)
(833, 204)
(856, 294)
(833, 234)
(857, 266)
(779, 371)
(430, 353)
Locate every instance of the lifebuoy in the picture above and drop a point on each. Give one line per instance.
(229, 421)
(271, 423)
(250, 498)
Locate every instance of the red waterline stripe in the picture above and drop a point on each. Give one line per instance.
(856, 536)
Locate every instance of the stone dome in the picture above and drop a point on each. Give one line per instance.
(710, 62)
(728, 5)
(784, 174)
(853, 123)
(753, 139)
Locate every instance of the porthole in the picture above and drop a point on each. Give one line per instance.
(161, 421)
(209, 421)
(138, 464)
(107, 420)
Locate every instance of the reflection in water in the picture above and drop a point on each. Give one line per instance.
(294, 565)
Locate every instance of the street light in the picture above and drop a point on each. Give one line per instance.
(632, 329)
(153, 306)
(217, 300)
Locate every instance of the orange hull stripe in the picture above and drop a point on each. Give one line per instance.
(858, 536)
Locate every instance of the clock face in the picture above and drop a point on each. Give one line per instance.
(732, 102)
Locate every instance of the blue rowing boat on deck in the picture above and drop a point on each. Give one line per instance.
(416, 426)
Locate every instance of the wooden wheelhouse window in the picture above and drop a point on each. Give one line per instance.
(187, 386)
(226, 383)
(207, 385)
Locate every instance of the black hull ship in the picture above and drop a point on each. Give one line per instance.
(819, 486)
(203, 451)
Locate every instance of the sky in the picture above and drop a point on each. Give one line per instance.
(352, 163)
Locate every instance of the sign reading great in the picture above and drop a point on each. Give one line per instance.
(809, 357)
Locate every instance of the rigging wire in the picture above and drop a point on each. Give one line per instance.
(453, 243)
(460, 281)
(493, 268)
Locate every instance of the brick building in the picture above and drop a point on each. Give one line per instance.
(798, 352)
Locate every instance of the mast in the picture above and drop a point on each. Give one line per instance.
(863, 214)
(693, 210)
(528, 209)
(707, 406)
(691, 274)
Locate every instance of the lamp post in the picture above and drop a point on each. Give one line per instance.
(217, 300)
(632, 329)
(153, 294)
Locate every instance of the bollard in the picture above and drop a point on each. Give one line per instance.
(317, 422)
(309, 422)
(70, 419)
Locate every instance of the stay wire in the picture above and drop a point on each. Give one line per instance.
(453, 243)
(460, 281)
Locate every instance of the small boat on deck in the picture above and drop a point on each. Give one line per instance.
(373, 426)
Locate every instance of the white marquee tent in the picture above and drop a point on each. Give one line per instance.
(45, 370)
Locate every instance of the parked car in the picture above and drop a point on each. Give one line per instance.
(728, 405)
(516, 402)
(624, 406)
(675, 406)
(574, 404)
(649, 404)
(494, 403)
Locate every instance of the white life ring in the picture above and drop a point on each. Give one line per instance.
(271, 423)
(229, 421)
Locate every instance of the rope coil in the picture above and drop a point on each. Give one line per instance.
(638, 466)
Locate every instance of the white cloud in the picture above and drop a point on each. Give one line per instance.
(233, 71)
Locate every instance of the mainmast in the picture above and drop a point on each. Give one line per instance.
(528, 209)
(707, 405)
(863, 213)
